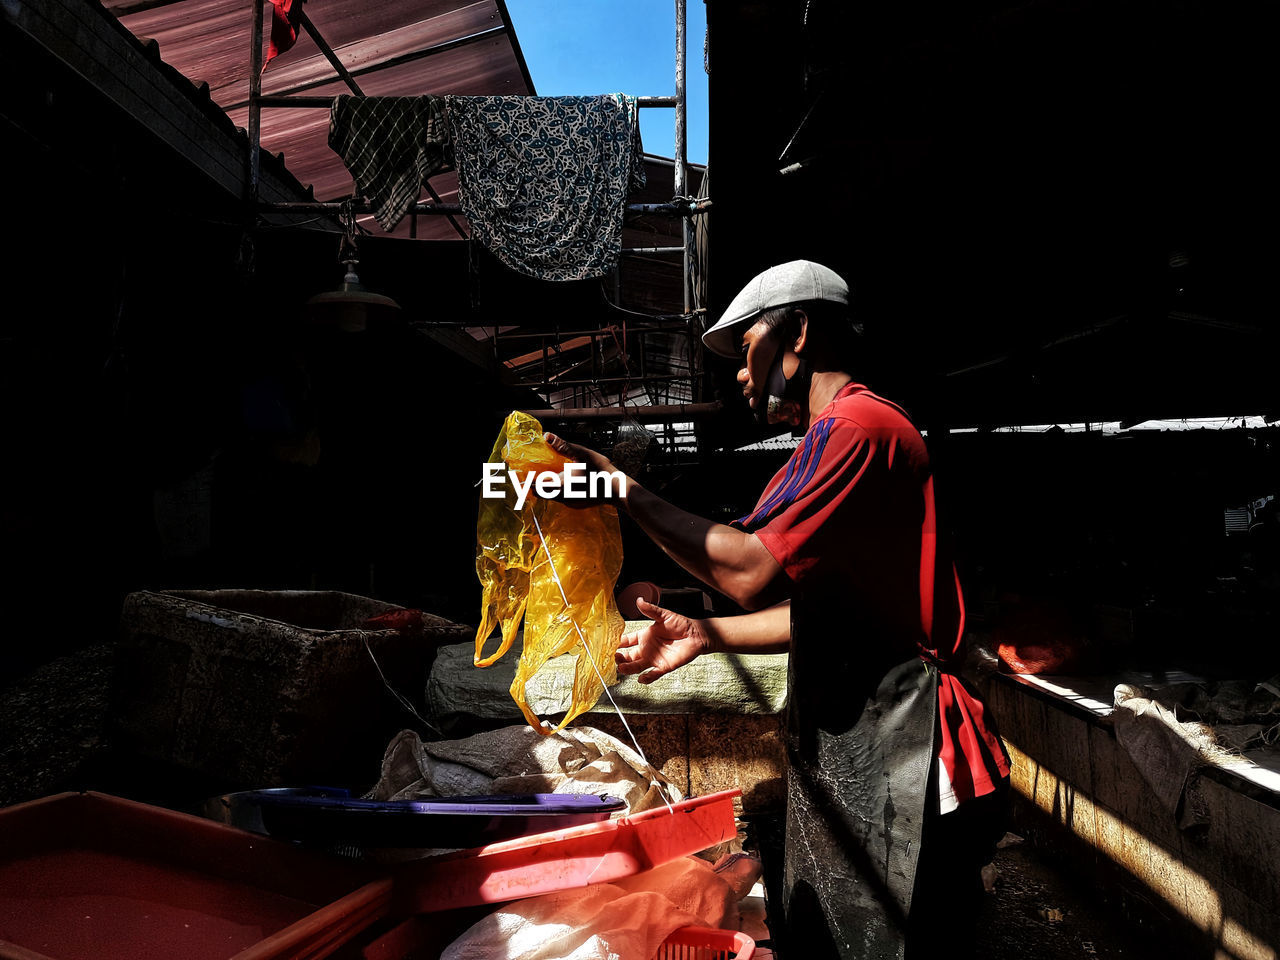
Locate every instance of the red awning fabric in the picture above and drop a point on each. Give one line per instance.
(286, 18)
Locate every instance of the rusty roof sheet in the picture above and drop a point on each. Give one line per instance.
(209, 41)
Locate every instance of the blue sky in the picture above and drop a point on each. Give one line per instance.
(578, 47)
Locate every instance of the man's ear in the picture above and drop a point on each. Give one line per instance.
(801, 321)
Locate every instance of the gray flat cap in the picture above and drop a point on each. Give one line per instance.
(779, 286)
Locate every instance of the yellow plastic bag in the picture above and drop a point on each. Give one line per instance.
(585, 546)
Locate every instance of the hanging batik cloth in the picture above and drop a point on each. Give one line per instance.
(390, 145)
(531, 560)
(544, 180)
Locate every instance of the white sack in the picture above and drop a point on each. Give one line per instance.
(595, 923)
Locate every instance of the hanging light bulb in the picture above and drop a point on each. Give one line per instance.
(350, 307)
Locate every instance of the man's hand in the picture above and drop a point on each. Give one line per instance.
(596, 463)
(670, 641)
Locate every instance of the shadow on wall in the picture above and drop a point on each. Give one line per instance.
(1206, 892)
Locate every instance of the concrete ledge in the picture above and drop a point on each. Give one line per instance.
(1223, 880)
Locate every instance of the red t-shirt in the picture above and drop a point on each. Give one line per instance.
(851, 520)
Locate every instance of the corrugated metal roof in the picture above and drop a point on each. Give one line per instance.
(209, 42)
(421, 47)
(783, 443)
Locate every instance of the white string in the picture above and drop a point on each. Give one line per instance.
(590, 659)
(403, 700)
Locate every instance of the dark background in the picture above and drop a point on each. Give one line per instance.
(1050, 212)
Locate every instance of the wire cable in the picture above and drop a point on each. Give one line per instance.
(587, 651)
(400, 698)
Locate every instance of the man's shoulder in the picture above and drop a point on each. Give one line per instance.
(864, 410)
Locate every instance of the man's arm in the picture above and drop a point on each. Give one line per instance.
(732, 561)
(672, 640)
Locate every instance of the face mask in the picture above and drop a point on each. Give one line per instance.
(784, 396)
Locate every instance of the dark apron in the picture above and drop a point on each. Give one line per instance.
(860, 756)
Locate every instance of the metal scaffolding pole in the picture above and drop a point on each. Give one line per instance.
(681, 170)
(329, 55)
(659, 413)
(255, 110)
(594, 332)
(681, 206)
(299, 102)
(596, 381)
(683, 209)
(257, 101)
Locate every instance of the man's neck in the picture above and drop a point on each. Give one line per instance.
(823, 389)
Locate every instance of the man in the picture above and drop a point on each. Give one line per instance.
(843, 566)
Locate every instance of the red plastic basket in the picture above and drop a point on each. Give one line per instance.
(564, 859)
(706, 943)
(425, 937)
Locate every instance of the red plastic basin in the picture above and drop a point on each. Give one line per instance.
(94, 877)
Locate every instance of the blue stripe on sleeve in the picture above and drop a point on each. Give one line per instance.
(792, 463)
(791, 488)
